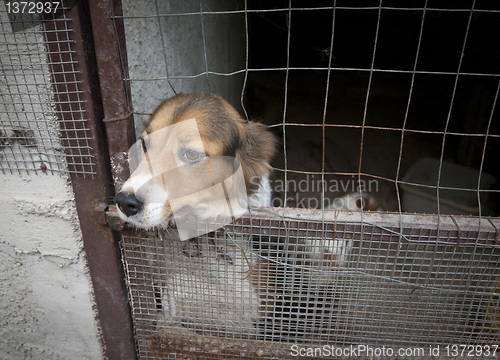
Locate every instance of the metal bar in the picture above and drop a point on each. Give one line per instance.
(295, 68)
(113, 313)
(109, 42)
(283, 9)
(452, 228)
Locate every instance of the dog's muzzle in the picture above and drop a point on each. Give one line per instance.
(128, 204)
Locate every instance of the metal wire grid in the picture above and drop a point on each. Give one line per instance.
(423, 291)
(386, 296)
(30, 125)
(477, 7)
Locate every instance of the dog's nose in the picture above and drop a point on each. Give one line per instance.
(128, 203)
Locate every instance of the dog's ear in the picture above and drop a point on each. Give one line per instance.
(256, 149)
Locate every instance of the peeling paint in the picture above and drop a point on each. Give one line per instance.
(117, 161)
(63, 209)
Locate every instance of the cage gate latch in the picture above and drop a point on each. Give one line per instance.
(105, 214)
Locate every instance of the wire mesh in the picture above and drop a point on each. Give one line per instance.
(36, 55)
(404, 98)
(266, 279)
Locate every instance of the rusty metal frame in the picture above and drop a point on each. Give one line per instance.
(110, 50)
(100, 242)
(463, 230)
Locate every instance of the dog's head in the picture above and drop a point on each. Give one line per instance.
(192, 143)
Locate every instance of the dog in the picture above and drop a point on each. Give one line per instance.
(193, 142)
(197, 158)
(206, 141)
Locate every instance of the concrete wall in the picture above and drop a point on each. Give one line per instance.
(178, 50)
(46, 301)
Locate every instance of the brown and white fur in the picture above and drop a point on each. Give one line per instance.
(246, 295)
(223, 134)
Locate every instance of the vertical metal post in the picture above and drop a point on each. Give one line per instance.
(100, 242)
(110, 50)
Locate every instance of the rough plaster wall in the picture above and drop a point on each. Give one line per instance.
(46, 301)
(179, 49)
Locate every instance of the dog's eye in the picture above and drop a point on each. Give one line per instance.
(191, 155)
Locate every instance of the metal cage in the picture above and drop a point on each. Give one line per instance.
(291, 278)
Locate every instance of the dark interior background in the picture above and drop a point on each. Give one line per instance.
(354, 37)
